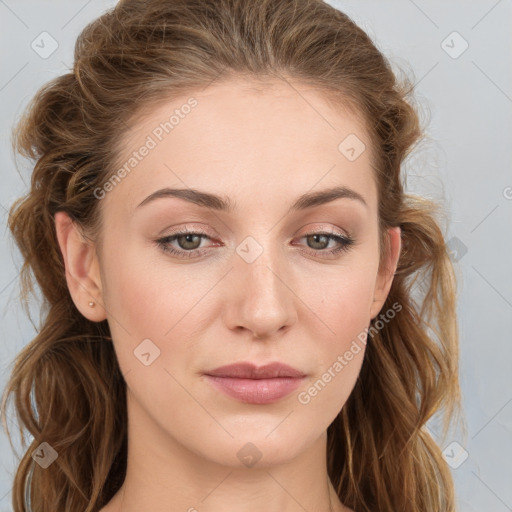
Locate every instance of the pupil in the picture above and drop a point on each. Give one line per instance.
(316, 238)
(188, 239)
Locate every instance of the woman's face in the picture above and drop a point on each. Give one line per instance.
(261, 277)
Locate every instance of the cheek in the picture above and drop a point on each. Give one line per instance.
(150, 300)
(340, 301)
(142, 293)
(347, 298)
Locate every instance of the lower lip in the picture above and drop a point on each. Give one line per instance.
(256, 391)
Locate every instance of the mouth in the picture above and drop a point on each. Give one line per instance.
(256, 385)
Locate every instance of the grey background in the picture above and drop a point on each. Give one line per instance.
(466, 100)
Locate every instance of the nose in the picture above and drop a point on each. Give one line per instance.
(260, 297)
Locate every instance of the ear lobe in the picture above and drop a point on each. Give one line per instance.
(82, 268)
(387, 272)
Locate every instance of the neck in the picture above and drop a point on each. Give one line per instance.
(163, 475)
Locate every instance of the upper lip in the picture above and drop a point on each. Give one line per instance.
(250, 371)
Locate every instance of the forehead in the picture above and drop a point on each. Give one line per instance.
(246, 136)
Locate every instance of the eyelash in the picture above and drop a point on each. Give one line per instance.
(164, 242)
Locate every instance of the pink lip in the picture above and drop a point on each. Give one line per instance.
(256, 385)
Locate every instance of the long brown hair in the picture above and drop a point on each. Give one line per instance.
(66, 384)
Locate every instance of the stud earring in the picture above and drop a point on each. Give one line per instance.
(92, 304)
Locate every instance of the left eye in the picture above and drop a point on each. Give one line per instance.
(189, 243)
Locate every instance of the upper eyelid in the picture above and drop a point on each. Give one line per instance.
(199, 229)
(203, 234)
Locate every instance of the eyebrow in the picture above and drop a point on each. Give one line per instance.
(223, 203)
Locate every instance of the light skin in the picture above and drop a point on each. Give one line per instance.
(294, 303)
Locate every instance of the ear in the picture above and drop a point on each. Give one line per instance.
(387, 271)
(82, 268)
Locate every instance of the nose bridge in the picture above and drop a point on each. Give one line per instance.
(263, 302)
(259, 258)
